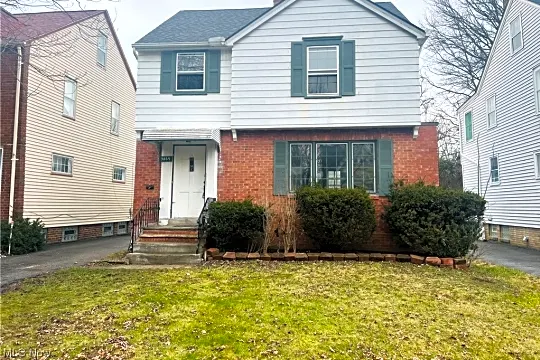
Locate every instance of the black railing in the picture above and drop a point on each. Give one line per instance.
(147, 214)
(202, 221)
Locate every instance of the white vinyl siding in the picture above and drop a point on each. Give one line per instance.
(89, 196)
(491, 112)
(119, 174)
(70, 233)
(115, 117)
(516, 34)
(155, 110)
(70, 94)
(62, 164)
(108, 229)
(387, 71)
(102, 49)
(516, 201)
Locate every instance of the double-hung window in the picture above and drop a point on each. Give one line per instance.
(102, 49)
(537, 89)
(70, 93)
(323, 70)
(190, 71)
(62, 164)
(494, 169)
(516, 34)
(468, 126)
(115, 117)
(491, 112)
(119, 174)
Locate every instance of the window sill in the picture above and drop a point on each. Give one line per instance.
(115, 134)
(102, 66)
(182, 93)
(491, 127)
(68, 117)
(61, 174)
(498, 183)
(517, 51)
(119, 182)
(323, 97)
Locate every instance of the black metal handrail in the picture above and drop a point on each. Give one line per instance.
(147, 214)
(201, 224)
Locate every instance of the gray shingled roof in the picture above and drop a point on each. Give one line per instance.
(185, 26)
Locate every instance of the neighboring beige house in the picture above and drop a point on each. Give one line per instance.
(76, 125)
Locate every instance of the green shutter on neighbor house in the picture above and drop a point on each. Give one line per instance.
(348, 72)
(166, 78)
(281, 165)
(213, 68)
(468, 126)
(385, 165)
(298, 69)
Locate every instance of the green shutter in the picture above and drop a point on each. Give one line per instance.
(298, 69)
(385, 158)
(468, 127)
(213, 68)
(281, 165)
(166, 79)
(348, 72)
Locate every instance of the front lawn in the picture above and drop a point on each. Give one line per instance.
(277, 310)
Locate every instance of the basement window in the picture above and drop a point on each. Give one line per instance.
(505, 233)
(122, 228)
(70, 233)
(493, 232)
(108, 229)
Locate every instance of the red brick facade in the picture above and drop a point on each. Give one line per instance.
(147, 173)
(8, 83)
(246, 166)
(85, 232)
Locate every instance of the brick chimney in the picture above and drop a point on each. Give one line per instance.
(276, 2)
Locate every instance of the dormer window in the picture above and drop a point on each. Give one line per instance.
(190, 71)
(516, 34)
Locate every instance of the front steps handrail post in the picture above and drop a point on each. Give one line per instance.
(147, 214)
(202, 221)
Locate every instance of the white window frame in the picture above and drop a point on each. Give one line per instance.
(115, 120)
(536, 80)
(74, 99)
(191, 72)
(346, 161)
(70, 164)
(537, 165)
(494, 111)
(465, 126)
(70, 237)
(123, 172)
(102, 50)
(290, 162)
(374, 164)
(512, 50)
(493, 182)
(124, 229)
(107, 233)
(322, 71)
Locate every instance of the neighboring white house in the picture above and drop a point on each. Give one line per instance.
(500, 129)
(256, 102)
(77, 140)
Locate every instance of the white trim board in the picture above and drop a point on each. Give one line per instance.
(413, 30)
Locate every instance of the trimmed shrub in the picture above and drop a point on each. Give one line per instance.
(235, 226)
(434, 220)
(28, 236)
(336, 219)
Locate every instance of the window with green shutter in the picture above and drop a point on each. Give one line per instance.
(190, 72)
(468, 126)
(323, 67)
(341, 164)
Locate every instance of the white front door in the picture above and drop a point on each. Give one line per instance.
(189, 173)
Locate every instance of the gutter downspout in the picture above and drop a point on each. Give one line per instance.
(14, 146)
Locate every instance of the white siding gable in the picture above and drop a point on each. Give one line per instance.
(516, 137)
(155, 110)
(387, 71)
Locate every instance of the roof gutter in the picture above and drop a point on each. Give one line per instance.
(218, 42)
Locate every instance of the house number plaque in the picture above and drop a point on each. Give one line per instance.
(166, 159)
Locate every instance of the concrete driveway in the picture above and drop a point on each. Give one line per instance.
(524, 259)
(59, 256)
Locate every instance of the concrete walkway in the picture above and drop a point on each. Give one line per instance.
(59, 256)
(524, 259)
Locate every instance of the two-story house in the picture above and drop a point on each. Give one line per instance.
(257, 102)
(500, 129)
(68, 124)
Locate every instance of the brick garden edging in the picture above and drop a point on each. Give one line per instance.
(456, 263)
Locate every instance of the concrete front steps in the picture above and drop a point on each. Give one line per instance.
(167, 245)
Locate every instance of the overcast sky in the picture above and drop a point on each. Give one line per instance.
(135, 18)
